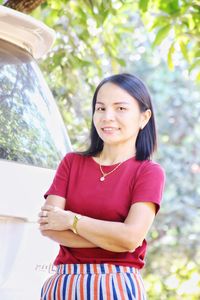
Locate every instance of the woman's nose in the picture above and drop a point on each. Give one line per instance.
(108, 115)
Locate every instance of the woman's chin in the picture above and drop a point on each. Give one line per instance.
(111, 142)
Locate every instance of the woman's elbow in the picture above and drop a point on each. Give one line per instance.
(132, 242)
(131, 246)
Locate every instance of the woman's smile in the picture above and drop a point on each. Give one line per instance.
(110, 130)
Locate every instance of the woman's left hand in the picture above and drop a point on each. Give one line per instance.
(55, 218)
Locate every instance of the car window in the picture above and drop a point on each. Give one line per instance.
(31, 129)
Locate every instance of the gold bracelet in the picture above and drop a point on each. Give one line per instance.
(74, 225)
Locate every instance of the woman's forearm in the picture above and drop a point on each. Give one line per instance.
(112, 236)
(68, 238)
(118, 236)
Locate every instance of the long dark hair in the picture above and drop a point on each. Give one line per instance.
(146, 142)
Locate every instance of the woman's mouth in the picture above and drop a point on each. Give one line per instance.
(109, 129)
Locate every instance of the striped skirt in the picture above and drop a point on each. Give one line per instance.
(94, 282)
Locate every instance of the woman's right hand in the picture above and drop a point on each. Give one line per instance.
(55, 218)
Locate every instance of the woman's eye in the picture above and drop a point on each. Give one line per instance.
(121, 108)
(100, 108)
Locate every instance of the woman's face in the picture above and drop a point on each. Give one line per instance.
(117, 117)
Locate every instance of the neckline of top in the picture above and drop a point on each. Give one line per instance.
(115, 164)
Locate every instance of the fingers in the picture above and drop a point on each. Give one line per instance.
(43, 217)
(43, 220)
(43, 213)
(52, 218)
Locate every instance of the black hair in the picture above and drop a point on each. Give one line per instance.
(146, 142)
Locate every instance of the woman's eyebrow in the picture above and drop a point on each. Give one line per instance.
(115, 103)
(121, 102)
(99, 102)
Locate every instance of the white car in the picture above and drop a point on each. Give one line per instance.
(33, 139)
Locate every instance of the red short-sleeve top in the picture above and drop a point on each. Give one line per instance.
(78, 180)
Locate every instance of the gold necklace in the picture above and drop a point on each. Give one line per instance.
(103, 177)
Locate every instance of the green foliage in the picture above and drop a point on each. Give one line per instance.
(179, 22)
(143, 5)
(161, 35)
(176, 21)
(174, 246)
(181, 284)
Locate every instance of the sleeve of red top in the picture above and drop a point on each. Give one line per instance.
(149, 184)
(60, 181)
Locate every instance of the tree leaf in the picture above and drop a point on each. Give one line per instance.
(198, 76)
(121, 61)
(170, 57)
(160, 22)
(171, 7)
(143, 5)
(194, 65)
(184, 49)
(161, 35)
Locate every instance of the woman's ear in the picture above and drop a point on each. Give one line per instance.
(146, 115)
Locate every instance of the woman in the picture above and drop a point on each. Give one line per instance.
(102, 202)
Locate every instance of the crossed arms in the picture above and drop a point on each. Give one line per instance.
(56, 223)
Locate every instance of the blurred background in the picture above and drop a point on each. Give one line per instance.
(159, 41)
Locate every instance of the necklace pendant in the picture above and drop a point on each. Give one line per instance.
(102, 178)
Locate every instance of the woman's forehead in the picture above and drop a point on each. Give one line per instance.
(110, 92)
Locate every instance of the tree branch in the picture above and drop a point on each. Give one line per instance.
(25, 6)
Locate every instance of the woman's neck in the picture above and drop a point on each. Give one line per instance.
(114, 155)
